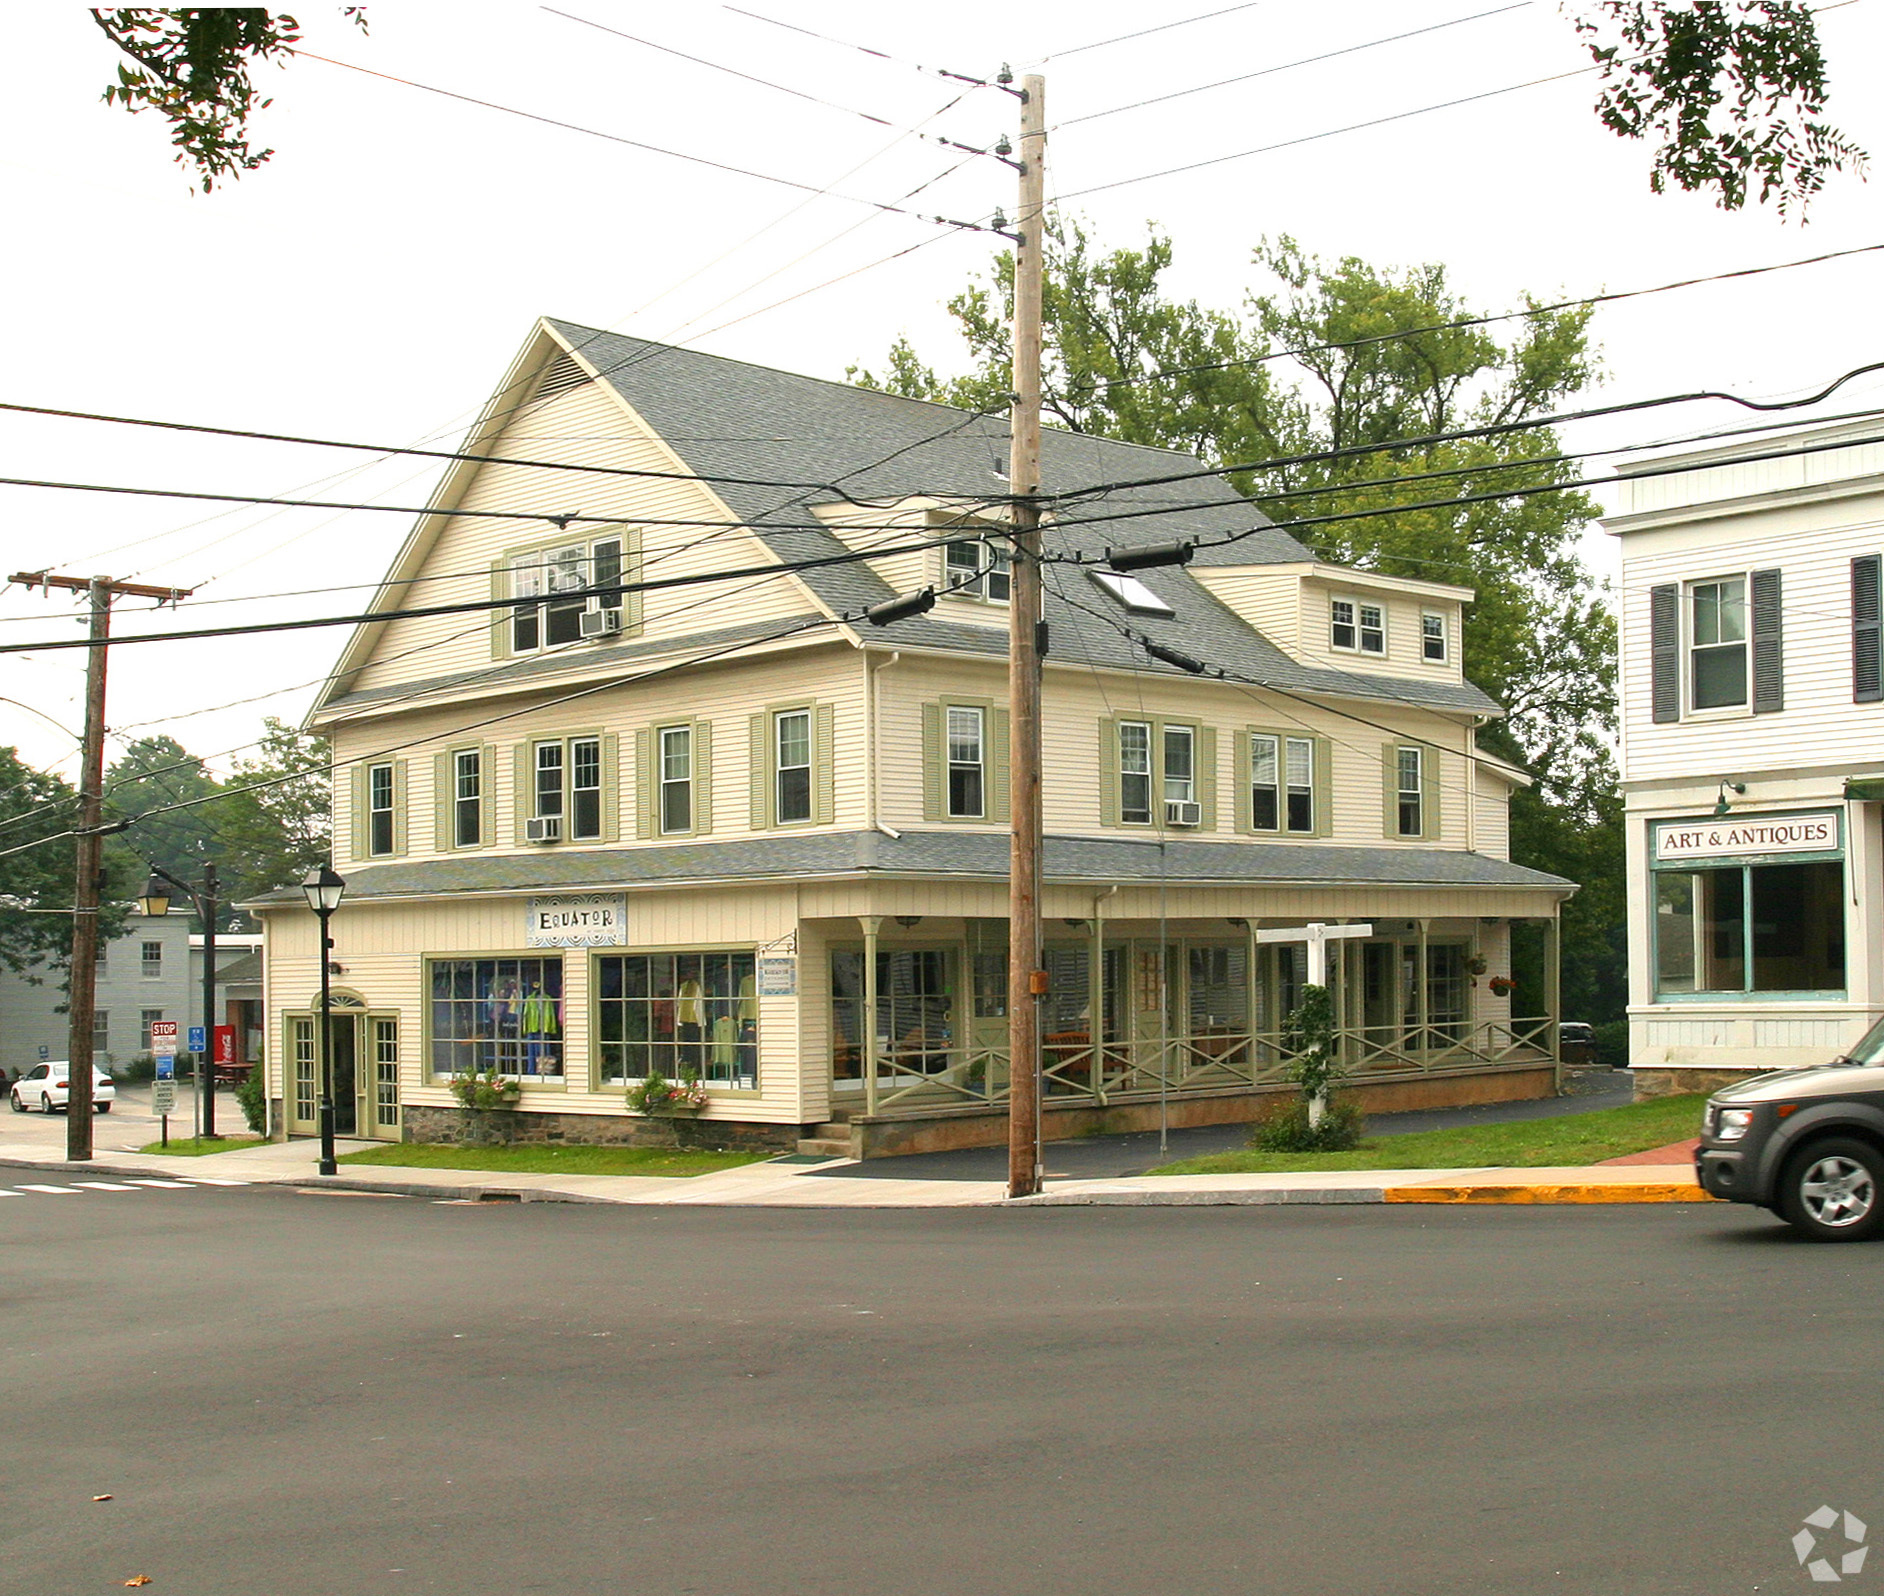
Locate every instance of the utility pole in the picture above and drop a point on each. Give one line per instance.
(206, 906)
(1026, 980)
(82, 982)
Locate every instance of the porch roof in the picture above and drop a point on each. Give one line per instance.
(940, 855)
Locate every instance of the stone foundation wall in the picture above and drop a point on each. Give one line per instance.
(465, 1127)
(1671, 1082)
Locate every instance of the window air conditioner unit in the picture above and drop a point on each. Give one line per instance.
(1183, 812)
(599, 623)
(547, 829)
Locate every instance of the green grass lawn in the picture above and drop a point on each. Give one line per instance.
(534, 1160)
(190, 1147)
(1571, 1139)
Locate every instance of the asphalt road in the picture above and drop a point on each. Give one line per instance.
(286, 1393)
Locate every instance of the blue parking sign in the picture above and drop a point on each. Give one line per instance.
(166, 1069)
(198, 1044)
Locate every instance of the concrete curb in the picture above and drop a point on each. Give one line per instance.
(1558, 1192)
(1308, 1196)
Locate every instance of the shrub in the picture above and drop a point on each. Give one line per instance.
(251, 1093)
(1285, 1129)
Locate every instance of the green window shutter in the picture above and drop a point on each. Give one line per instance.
(645, 791)
(934, 762)
(1324, 788)
(522, 789)
(1769, 683)
(399, 806)
(1207, 775)
(823, 765)
(500, 618)
(995, 801)
(360, 843)
(760, 760)
(1108, 771)
(1390, 790)
(611, 787)
(444, 784)
(1432, 769)
(702, 777)
(1244, 821)
(487, 795)
(631, 572)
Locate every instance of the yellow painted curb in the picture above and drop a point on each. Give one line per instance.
(1603, 1192)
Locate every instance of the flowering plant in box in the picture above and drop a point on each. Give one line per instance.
(658, 1096)
(486, 1089)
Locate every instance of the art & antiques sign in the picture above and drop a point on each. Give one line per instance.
(586, 920)
(1754, 834)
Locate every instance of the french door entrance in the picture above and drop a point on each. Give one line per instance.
(365, 1075)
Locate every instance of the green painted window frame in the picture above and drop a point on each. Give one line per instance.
(1204, 771)
(446, 798)
(935, 761)
(429, 1074)
(1321, 783)
(502, 646)
(1432, 822)
(763, 768)
(360, 797)
(647, 779)
(524, 789)
(717, 1090)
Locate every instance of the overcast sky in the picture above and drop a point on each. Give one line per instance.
(374, 279)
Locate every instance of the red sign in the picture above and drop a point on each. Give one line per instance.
(225, 1044)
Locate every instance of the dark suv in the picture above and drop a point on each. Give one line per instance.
(1808, 1144)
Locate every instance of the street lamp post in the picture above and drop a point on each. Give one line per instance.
(155, 900)
(324, 890)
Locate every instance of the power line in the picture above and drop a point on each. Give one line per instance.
(864, 49)
(1289, 66)
(1141, 33)
(654, 149)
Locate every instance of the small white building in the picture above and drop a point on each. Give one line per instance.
(1752, 752)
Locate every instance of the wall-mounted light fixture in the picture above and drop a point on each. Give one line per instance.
(1722, 804)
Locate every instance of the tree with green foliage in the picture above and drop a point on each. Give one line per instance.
(275, 822)
(143, 785)
(192, 66)
(1361, 370)
(37, 807)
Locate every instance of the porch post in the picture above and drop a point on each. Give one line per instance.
(1096, 1000)
(1553, 993)
(1253, 1010)
(871, 923)
(1423, 1010)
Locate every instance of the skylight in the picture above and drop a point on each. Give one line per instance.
(1132, 593)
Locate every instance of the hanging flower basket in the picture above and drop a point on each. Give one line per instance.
(1475, 964)
(1502, 985)
(486, 1089)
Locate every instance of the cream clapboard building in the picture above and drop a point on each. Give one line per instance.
(1752, 752)
(721, 825)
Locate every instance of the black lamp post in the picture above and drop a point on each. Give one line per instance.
(324, 890)
(155, 901)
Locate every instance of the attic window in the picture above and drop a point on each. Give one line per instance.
(1132, 593)
(562, 375)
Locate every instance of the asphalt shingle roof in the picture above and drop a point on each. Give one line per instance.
(726, 418)
(938, 855)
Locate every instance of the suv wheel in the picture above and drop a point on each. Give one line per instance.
(1834, 1191)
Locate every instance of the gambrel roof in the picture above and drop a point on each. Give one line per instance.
(730, 419)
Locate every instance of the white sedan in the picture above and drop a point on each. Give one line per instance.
(44, 1087)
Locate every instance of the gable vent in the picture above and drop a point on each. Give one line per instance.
(562, 374)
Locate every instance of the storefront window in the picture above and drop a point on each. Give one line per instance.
(1751, 928)
(501, 1014)
(913, 1004)
(673, 1014)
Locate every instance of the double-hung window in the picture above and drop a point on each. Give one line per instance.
(1180, 764)
(791, 775)
(379, 809)
(1135, 772)
(1355, 626)
(567, 582)
(1282, 783)
(151, 962)
(467, 798)
(967, 755)
(1717, 643)
(146, 1018)
(978, 570)
(1433, 637)
(568, 782)
(674, 753)
(1410, 791)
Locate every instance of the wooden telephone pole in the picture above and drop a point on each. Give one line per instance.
(1026, 980)
(83, 974)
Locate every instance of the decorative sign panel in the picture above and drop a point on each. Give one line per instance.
(585, 920)
(778, 976)
(1738, 836)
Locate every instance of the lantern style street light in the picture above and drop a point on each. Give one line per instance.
(324, 889)
(154, 901)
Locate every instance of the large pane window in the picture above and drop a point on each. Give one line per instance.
(1751, 928)
(501, 1014)
(1135, 772)
(913, 1010)
(1717, 643)
(673, 1014)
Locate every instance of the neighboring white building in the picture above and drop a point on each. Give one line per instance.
(1752, 752)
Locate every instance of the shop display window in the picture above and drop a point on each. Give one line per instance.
(673, 1014)
(1751, 928)
(498, 1014)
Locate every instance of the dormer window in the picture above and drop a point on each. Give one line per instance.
(978, 570)
(1432, 637)
(565, 580)
(1357, 627)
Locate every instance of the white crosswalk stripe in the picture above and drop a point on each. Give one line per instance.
(214, 1180)
(102, 1185)
(55, 1191)
(173, 1185)
(131, 1183)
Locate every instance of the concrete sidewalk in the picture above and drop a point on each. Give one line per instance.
(779, 1184)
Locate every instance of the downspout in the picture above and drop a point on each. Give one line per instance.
(873, 754)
